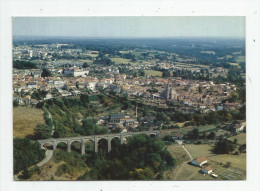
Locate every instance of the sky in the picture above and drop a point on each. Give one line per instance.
(131, 27)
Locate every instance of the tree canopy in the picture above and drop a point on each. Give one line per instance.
(26, 154)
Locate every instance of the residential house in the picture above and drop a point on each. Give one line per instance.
(199, 161)
(207, 170)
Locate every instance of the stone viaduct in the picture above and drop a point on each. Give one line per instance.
(95, 138)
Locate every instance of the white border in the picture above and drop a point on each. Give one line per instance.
(247, 8)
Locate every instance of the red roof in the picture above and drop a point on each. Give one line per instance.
(208, 168)
(201, 159)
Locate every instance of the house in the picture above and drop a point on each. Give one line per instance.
(115, 118)
(238, 126)
(177, 136)
(207, 170)
(199, 161)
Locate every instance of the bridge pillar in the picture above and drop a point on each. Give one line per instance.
(69, 146)
(96, 144)
(121, 139)
(109, 144)
(54, 145)
(82, 147)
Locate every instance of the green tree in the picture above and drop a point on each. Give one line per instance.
(224, 147)
(46, 72)
(42, 131)
(26, 154)
(15, 103)
(85, 65)
(166, 73)
(211, 135)
(195, 133)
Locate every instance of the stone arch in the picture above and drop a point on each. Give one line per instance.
(89, 145)
(75, 145)
(102, 144)
(115, 141)
(63, 145)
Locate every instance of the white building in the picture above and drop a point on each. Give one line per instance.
(75, 72)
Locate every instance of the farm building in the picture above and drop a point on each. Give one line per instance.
(207, 170)
(199, 161)
(177, 136)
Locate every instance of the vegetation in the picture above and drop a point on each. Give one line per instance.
(25, 120)
(42, 131)
(142, 158)
(24, 64)
(26, 154)
(224, 147)
(46, 73)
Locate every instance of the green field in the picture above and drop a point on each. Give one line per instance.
(185, 171)
(199, 150)
(241, 138)
(240, 58)
(25, 120)
(178, 153)
(123, 61)
(153, 73)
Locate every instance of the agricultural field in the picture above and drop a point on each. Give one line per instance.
(240, 58)
(123, 61)
(199, 150)
(241, 138)
(236, 170)
(25, 120)
(153, 73)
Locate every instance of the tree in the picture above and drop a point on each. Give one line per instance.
(26, 154)
(141, 73)
(42, 131)
(15, 103)
(27, 174)
(224, 147)
(195, 133)
(166, 73)
(46, 72)
(85, 65)
(211, 135)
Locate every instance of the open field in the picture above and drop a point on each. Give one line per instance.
(123, 61)
(153, 73)
(185, 171)
(240, 58)
(190, 172)
(237, 161)
(25, 120)
(178, 153)
(199, 150)
(241, 138)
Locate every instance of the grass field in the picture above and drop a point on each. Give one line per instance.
(237, 161)
(153, 73)
(240, 59)
(123, 61)
(178, 153)
(241, 138)
(199, 150)
(25, 119)
(236, 171)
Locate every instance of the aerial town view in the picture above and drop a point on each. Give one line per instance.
(129, 98)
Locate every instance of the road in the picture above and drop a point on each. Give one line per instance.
(49, 154)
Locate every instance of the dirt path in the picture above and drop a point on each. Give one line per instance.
(178, 170)
(191, 158)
